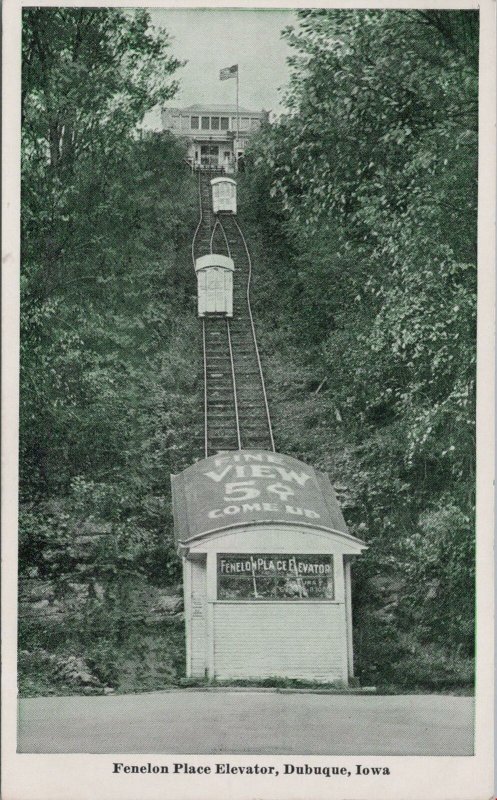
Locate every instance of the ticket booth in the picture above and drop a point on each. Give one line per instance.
(215, 285)
(266, 568)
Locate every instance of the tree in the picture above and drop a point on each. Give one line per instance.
(89, 76)
(108, 357)
(106, 216)
(368, 184)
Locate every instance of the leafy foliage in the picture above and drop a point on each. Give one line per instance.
(364, 195)
(108, 358)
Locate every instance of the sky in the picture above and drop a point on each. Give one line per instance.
(210, 39)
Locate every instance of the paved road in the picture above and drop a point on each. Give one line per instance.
(248, 722)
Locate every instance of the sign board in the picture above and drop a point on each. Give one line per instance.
(275, 576)
(247, 487)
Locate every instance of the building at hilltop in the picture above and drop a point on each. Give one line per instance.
(215, 137)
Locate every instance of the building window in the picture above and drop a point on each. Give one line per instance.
(205, 123)
(254, 124)
(215, 123)
(224, 123)
(244, 124)
(185, 123)
(194, 123)
(275, 576)
(209, 155)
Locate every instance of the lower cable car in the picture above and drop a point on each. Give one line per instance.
(223, 194)
(215, 285)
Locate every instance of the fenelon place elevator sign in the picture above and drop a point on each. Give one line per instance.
(251, 486)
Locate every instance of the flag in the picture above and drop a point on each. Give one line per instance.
(228, 72)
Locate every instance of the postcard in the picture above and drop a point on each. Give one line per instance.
(248, 417)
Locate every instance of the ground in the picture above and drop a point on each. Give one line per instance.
(250, 722)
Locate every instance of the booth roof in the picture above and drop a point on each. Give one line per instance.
(250, 487)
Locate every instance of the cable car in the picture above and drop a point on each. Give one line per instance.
(223, 194)
(215, 285)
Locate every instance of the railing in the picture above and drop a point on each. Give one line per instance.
(249, 308)
(222, 168)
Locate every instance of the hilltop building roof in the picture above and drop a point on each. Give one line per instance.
(212, 108)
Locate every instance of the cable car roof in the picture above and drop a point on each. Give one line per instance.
(214, 260)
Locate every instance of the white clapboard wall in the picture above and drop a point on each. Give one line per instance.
(303, 639)
(294, 640)
(198, 633)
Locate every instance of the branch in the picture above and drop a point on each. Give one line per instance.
(321, 385)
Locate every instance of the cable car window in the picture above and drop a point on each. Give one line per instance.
(195, 123)
(205, 123)
(215, 123)
(212, 277)
(224, 123)
(275, 576)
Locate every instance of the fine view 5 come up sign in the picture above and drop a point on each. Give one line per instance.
(245, 487)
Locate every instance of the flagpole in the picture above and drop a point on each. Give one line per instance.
(237, 117)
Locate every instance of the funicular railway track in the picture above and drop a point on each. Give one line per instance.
(236, 413)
